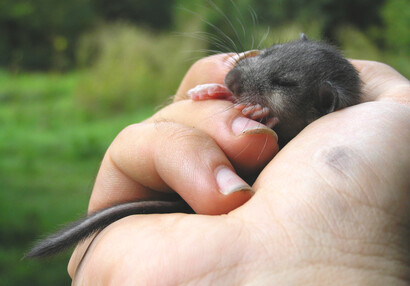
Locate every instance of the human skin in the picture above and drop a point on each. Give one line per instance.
(330, 208)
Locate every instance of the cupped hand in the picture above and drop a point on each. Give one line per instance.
(330, 208)
(192, 149)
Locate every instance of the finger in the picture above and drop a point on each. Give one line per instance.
(211, 69)
(382, 82)
(248, 144)
(169, 156)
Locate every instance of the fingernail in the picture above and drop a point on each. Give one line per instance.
(229, 182)
(234, 59)
(243, 125)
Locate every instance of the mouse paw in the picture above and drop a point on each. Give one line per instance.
(253, 111)
(271, 122)
(210, 91)
(258, 113)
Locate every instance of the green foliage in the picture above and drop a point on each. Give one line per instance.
(44, 34)
(131, 68)
(358, 45)
(329, 15)
(50, 152)
(396, 16)
(155, 14)
(41, 34)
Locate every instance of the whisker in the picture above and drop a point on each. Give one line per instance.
(264, 37)
(263, 148)
(223, 34)
(243, 150)
(228, 21)
(216, 40)
(253, 15)
(266, 141)
(220, 111)
(201, 51)
(239, 19)
(208, 38)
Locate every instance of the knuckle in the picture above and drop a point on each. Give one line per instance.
(169, 135)
(188, 136)
(130, 130)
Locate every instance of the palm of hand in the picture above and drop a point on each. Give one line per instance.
(334, 197)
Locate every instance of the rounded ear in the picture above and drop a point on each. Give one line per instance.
(328, 100)
(303, 37)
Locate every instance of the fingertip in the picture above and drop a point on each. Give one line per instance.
(229, 182)
(243, 125)
(212, 69)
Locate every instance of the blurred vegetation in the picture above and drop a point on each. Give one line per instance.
(44, 35)
(74, 73)
(130, 61)
(50, 153)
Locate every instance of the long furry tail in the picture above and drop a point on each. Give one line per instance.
(83, 228)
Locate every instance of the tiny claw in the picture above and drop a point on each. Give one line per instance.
(271, 122)
(260, 114)
(238, 57)
(251, 109)
(265, 111)
(239, 106)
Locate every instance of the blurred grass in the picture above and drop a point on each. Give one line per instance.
(356, 45)
(50, 152)
(131, 61)
(55, 128)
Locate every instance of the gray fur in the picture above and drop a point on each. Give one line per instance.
(298, 81)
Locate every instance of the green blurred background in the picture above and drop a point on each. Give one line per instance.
(74, 73)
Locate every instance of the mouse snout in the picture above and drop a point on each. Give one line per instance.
(233, 81)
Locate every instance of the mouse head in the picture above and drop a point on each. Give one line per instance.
(297, 81)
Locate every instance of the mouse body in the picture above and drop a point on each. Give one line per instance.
(295, 83)
(286, 86)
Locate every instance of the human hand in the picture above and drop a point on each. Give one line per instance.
(190, 148)
(329, 203)
(181, 149)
